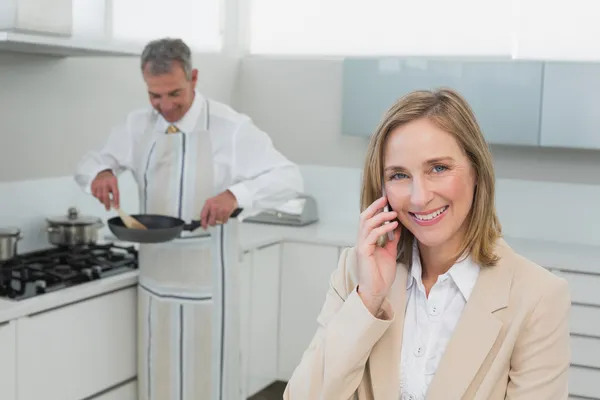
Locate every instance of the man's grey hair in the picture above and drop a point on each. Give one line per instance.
(160, 54)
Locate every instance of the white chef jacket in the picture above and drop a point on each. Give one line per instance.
(430, 321)
(245, 160)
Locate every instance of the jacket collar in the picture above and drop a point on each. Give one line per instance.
(471, 341)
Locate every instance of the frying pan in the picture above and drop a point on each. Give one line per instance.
(161, 228)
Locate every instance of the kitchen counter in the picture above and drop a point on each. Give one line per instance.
(10, 309)
(562, 256)
(567, 257)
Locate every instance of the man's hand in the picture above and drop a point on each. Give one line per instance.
(218, 209)
(103, 186)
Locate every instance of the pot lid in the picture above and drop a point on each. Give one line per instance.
(73, 218)
(9, 232)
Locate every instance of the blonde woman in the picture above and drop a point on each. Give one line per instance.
(445, 310)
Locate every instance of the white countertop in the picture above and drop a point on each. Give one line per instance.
(554, 255)
(567, 257)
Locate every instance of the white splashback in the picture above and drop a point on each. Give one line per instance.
(27, 204)
(527, 209)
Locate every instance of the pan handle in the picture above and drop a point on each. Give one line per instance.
(195, 224)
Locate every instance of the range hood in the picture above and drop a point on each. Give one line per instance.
(64, 46)
(53, 27)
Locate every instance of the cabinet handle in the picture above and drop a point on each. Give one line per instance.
(35, 314)
(4, 323)
(264, 246)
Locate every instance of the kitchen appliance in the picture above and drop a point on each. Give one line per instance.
(161, 228)
(8, 242)
(35, 273)
(300, 211)
(73, 229)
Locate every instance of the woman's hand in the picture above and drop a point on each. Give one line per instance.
(376, 265)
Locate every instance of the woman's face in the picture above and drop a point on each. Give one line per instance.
(429, 181)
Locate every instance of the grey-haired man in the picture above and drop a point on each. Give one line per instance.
(192, 158)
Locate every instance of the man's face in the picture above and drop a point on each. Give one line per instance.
(171, 94)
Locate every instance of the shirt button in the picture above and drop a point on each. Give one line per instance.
(419, 351)
(434, 310)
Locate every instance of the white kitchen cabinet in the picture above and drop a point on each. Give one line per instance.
(264, 316)
(78, 350)
(8, 360)
(584, 382)
(305, 273)
(583, 287)
(127, 391)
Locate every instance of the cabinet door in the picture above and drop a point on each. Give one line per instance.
(504, 95)
(75, 351)
(305, 274)
(570, 105)
(127, 391)
(8, 359)
(264, 315)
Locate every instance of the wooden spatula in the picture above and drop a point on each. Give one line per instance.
(129, 221)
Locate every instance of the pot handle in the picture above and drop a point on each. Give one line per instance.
(195, 224)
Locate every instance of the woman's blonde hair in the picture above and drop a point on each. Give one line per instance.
(450, 112)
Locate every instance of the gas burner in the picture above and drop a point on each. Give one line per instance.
(49, 270)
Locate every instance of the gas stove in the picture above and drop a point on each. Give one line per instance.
(36, 273)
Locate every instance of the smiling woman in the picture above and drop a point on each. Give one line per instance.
(445, 309)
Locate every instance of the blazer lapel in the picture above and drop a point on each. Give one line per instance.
(474, 334)
(384, 361)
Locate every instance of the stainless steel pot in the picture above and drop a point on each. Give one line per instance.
(8, 242)
(73, 229)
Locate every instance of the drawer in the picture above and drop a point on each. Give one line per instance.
(585, 320)
(585, 288)
(585, 351)
(584, 382)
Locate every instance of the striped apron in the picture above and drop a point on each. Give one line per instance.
(188, 321)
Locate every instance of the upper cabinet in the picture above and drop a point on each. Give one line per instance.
(556, 30)
(505, 95)
(106, 27)
(570, 116)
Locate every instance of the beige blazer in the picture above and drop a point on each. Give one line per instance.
(511, 342)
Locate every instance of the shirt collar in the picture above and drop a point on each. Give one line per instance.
(464, 273)
(189, 120)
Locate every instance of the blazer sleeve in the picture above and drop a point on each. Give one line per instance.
(542, 354)
(333, 365)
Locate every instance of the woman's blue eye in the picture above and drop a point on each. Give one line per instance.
(440, 168)
(398, 175)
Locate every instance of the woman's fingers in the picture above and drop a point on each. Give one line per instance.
(373, 209)
(375, 222)
(371, 238)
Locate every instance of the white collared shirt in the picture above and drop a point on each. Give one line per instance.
(429, 322)
(245, 160)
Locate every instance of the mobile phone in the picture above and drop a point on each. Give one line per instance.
(382, 240)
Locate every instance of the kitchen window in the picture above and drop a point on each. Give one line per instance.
(381, 27)
(198, 22)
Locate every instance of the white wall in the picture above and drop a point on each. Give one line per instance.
(542, 193)
(54, 109)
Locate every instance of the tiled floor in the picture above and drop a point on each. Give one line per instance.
(272, 392)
